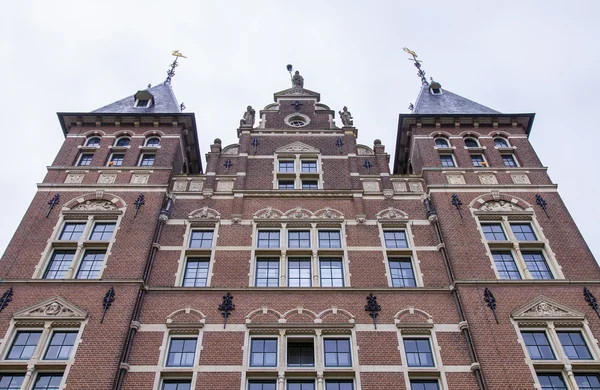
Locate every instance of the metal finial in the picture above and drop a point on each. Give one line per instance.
(171, 72)
(290, 69)
(52, 202)
(457, 203)
(373, 308)
(255, 143)
(182, 106)
(339, 144)
(109, 298)
(297, 105)
(591, 300)
(139, 202)
(228, 164)
(226, 307)
(368, 165)
(489, 298)
(6, 297)
(542, 203)
(420, 72)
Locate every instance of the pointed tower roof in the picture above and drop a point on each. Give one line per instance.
(446, 102)
(161, 99)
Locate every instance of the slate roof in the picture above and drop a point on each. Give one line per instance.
(165, 102)
(447, 103)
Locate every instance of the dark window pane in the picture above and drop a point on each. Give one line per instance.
(85, 159)
(123, 141)
(471, 143)
(552, 382)
(196, 272)
(59, 264)
(177, 385)
(24, 345)
(402, 273)
(339, 385)
(588, 381)
(102, 231)
(93, 141)
(500, 142)
(72, 231)
(332, 272)
(536, 263)
(418, 353)
(286, 184)
(337, 352)
(262, 385)
(116, 160)
(268, 239)
(267, 272)
(263, 353)
(11, 381)
(61, 345)
(47, 382)
(329, 239)
(574, 346)
(424, 385)
(299, 239)
(506, 266)
(201, 239)
(477, 160)
(538, 346)
(523, 231)
(301, 353)
(395, 239)
(91, 264)
(441, 143)
(301, 385)
(493, 232)
(147, 160)
(509, 160)
(310, 185)
(447, 160)
(153, 142)
(181, 353)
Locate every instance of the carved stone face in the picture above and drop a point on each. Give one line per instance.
(52, 309)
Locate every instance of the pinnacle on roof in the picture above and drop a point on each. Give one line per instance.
(159, 99)
(433, 100)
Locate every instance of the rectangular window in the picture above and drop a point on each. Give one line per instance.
(552, 381)
(48, 382)
(588, 381)
(102, 231)
(523, 232)
(329, 239)
(538, 346)
(299, 239)
(85, 159)
(301, 353)
(268, 239)
(310, 185)
(332, 272)
(299, 274)
(24, 345)
(424, 385)
(11, 381)
(177, 385)
(574, 345)
(536, 263)
(181, 353)
(395, 239)
(402, 273)
(509, 160)
(263, 353)
(59, 264)
(309, 166)
(72, 231)
(477, 160)
(506, 266)
(493, 232)
(339, 385)
(286, 166)
(301, 385)
(196, 272)
(418, 353)
(61, 346)
(91, 264)
(116, 160)
(337, 352)
(447, 160)
(201, 239)
(267, 272)
(262, 385)
(147, 160)
(286, 184)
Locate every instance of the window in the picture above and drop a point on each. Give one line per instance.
(142, 103)
(177, 385)
(85, 159)
(60, 346)
(506, 266)
(262, 385)
(24, 345)
(536, 263)
(309, 166)
(442, 143)
(501, 142)
(123, 141)
(301, 385)
(332, 272)
(538, 346)
(587, 381)
(337, 352)
(11, 381)
(267, 272)
(301, 353)
(478, 160)
(196, 272)
(268, 239)
(574, 346)
(102, 231)
(310, 185)
(509, 160)
(395, 239)
(418, 353)
(339, 385)
(523, 232)
(181, 352)
(286, 166)
(297, 122)
(424, 385)
(552, 381)
(153, 142)
(72, 231)
(329, 239)
(299, 239)
(471, 143)
(447, 160)
(59, 264)
(92, 141)
(201, 239)
(116, 160)
(286, 185)
(48, 382)
(263, 353)
(493, 232)
(91, 264)
(402, 273)
(299, 274)
(147, 160)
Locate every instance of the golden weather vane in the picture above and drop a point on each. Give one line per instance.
(421, 72)
(176, 53)
(171, 72)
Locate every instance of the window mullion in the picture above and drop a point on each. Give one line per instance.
(521, 262)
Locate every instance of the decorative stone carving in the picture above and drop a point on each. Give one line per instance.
(248, 119)
(500, 205)
(225, 186)
(346, 117)
(455, 179)
(297, 80)
(298, 213)
(298, 147)
(544, 307)
(196, 185)
(268, 213)
(415, 186)
(96, 205)
(391, 213)
(399, 186)
(51, 309)
(370, 186)
(180, 186)
(205, 212)
(139, 178)
(363, 150)
(107, 178)
(520, 179)
(74, 178)
(488, 178)
(230, 150)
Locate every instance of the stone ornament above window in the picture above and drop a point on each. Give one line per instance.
(500, 205)
(545, 308)
(96, 205)
(137, 178)
(53, 308)
(196, 185)
(107, 178)
(179, 186)
(520, 179)
(298, 213)
(415, 186)
(204, 212)
(363, 150)
(74, 178)
(488, 178)
(399, 186)
(297, 147)
(391, 213)
(455, 179)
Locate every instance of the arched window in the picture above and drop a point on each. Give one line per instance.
(93, 141)
(471, 143)
(123, 141)
(501, 142)
(442, 143)
(153, 142)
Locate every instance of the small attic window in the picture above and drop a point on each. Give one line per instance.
(143, 103)
(435, 88)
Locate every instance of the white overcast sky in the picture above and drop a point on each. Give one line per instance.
(513, 56)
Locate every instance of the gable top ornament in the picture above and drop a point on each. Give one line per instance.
(547, 309)
(54, 308)
(297, 80)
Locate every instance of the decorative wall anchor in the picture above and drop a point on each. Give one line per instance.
(53, 202)
(457, 203)
(373, 308)
(489, 298)
(368, 165)
(542, 203)
(139, 202)
(591, 300)
(339, 144)
(297, 105)
(109, 298)
(228, 164)
(6, 297)
(226, 307)
(255, 143)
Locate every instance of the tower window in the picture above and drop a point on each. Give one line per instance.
(329, 239)
(72, 231)
(61, 345)
(116, 160)
(196, 272)
(93, 141)
(588, 381)
(153, 142)
(442, 143)
(299, 239)
(286, 166)
(91, 264)
(102, 231)
(337, 352)
(301, 353)
(59, 264)
(263, 353)
(24, 345)
(447, 160)
(478, 160)
(201, 239)
(299, 274)
(332, 272)
(268, 239)
(509, 160)
(574, 346)
(309, 166)
(501, 142)
(506, 266)
(471, 143)
(177, 385)
(424, 385)
(48, 382)
(181, 353)
(85, 159)
(523, 232)
(402, 273)
(395, 239)
(310, 185)
(536, 263)
(493, 232)
(267, 272)
(123, 141)
(286, 184)
(11, 381)
(147, 160)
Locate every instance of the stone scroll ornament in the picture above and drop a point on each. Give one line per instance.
(346, 117)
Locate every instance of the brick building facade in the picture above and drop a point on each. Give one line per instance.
(297, 259)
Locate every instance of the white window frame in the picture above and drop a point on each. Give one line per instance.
(148, 140)
(118, 139)
(142, 155)
(189, 252)
(451, 156)
(87, 141)
(172, 336)
(81, 156)
(298, 176)
(427, 373)
(513, 157)
(470, 137)
(110, 157)
(393, 253)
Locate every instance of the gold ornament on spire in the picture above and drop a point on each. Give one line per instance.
(171, 72)
(417, 62)
(176, 53)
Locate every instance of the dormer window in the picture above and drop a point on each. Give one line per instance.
(435, 88)
(93, 142)
(471, 143)
(143, 103)
(442, 143)
(143, 99)
(123, 141)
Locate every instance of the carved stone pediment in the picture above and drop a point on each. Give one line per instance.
(204, 213)
(268, 213)
(298, 212)
(546, 309)
(51, 309)
(298, 147)
(499, 205)
(392, 214)
(96, 205)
